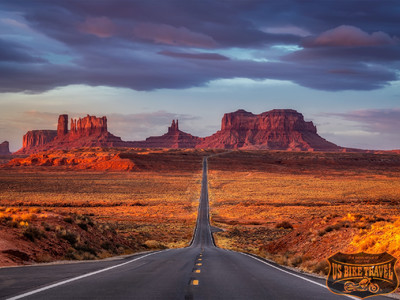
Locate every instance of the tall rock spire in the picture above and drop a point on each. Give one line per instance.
(62, 126)
(174, 127)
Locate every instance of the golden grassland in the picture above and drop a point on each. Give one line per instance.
(134, 201)
(154, 206)
(297, 209)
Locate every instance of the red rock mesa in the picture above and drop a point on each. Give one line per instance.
(278, 129)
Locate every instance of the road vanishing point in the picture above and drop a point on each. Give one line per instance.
(199, 271)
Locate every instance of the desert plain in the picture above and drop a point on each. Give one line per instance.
(295, 208)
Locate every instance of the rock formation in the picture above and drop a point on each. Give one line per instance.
(5, 148)
(89, 131)
(89, 125)
(174, 138)
(36, 139)
(278, 129)
(62, 127)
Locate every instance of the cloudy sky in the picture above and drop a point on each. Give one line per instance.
(144, 62)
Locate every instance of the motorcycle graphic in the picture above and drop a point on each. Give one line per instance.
(364, 285)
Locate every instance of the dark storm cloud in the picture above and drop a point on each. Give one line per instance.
(146, 45)
(212, 56)
(11, 52)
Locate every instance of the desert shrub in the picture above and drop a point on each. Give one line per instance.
(85, 248)
(152, 244)
(71, 254)
(281, 259)
(59, 228)
(296, 261)
(368, 242)
(331, 228)
(68, 236)
(23, 217)
(43, 258)
(32, 233)
(88, 256)
(46, 226)
(35, 210)
(84, 219)
(23, 224)
(84, 226)
(284, 225)
(4, 218)
(68, 220)
(13, 224)
(235, 232)
(107, 246)
(12, 210)
(337, 226)
(321, 267)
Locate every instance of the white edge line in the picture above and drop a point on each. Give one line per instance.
(79, 277)
(293, 274)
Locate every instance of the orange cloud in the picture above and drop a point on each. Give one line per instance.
(350, 36)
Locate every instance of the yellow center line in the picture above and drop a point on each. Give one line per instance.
(199, 264)
(197, 271)
(199, 259)
(195, 282)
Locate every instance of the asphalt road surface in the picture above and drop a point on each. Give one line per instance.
(200, 271)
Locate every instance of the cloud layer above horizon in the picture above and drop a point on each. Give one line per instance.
(148, 45)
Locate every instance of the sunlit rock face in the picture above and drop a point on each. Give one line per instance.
(278, 129)
(89, 131)
(36, 139)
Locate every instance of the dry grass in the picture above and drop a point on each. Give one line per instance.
(155, 207)
(160, 204)
(335, 202)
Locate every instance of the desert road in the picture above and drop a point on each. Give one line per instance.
(200, 271)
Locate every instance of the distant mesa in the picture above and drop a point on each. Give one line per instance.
(89, 131)
(5, 148)
(35, 139)
(278, 129)
(174, 138)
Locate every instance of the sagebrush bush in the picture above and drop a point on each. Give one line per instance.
(321, 267)
(84, 226)
(284, 225)
(33, 233)
(68, 236)
(68, 220)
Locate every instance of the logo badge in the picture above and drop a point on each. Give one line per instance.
(362, 275)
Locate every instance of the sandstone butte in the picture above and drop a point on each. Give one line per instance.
(89, 131)
(4, 148)
(278, 129)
